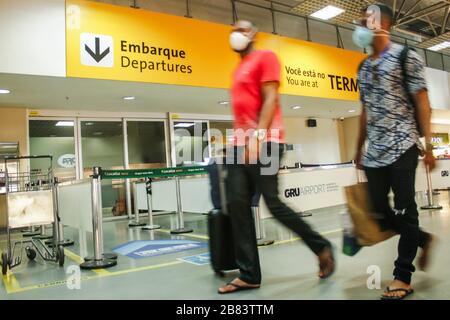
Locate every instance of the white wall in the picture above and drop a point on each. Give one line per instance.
(440, 128)
(317, 145)
(32, 33)
(351, 132)
(439, 88)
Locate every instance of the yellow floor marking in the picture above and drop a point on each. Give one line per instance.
(297, 238)
(157, 266)
(78, 259)
(72, 256)
(15, 288)
(191, 235)
(46, 285)
(11, 283)
(101, 271)
(276, 242)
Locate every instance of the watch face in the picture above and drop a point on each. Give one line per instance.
(261, 135)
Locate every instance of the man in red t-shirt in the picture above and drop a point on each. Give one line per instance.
(258, 146)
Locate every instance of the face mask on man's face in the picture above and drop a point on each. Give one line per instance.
(363, 37)
(239, 42)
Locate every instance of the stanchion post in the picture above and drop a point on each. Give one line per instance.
(148, 188)
(181, 228)
(43, 235)
(32, 232)
(100, 260)
(136, 222)
(431, 205)
(260, 230)
(259, 233)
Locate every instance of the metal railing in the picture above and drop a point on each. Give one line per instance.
(437, 60)
(339, 40)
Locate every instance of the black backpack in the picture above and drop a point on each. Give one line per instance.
(402, 59)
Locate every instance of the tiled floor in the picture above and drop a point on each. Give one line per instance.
(289, 268)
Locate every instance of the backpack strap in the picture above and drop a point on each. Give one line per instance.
(361, 65)
(403, 58)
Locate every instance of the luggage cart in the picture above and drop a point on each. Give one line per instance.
(30, 202)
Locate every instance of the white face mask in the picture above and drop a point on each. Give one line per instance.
(239, 42)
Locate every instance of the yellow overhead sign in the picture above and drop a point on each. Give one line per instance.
(119, 43)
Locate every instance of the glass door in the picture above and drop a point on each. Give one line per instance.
(146, 141)
(54, 137)
(146, 149)
(221, 135)
(102, 146)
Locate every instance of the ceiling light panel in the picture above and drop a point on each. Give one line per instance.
(352, 9)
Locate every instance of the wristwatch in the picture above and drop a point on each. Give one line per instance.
(429, 147)
(260, 134)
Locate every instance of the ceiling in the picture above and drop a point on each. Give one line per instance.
(39, 92)
(425, 21)
(428, 19)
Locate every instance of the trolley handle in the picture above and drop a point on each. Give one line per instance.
(27, 157)
(16, 158)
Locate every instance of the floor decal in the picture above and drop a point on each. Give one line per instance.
(152, 248)
(199, 259)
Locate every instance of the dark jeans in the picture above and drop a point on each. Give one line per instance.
(242, 181)
(404, 219)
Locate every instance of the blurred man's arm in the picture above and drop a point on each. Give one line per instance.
(361, 137)
(269, 91)
(423, 111)
(269, 107)
(417, 87)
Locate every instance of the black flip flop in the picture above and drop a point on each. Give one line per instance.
(389, 290)
(238, 288)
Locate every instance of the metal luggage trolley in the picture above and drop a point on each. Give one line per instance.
(30, 201)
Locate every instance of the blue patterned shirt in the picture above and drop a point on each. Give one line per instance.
(391, 122)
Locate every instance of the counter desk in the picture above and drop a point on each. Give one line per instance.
(303, 189)
(440, 177)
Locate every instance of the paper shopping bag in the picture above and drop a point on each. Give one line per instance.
(366, 223)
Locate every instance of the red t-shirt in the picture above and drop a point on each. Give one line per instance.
(253, 70)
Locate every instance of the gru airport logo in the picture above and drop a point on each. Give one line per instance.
(96, 50)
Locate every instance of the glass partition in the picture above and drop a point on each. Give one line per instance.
(102, 146)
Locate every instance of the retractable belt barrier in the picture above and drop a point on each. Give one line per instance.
(152, 173)
(165, 173)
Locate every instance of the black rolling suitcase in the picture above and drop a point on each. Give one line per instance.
(221, 242)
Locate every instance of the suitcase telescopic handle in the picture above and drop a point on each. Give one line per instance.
(222, 189)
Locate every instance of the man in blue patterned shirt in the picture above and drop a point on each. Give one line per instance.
(396, 110)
